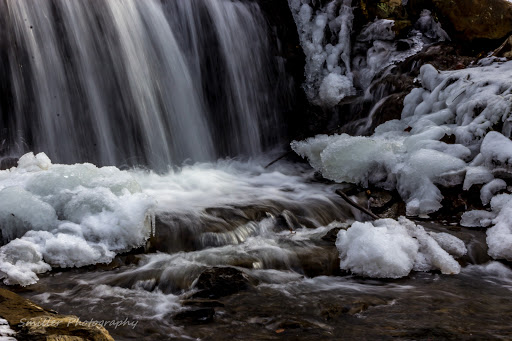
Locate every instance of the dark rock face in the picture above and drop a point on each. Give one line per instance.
(219, 282)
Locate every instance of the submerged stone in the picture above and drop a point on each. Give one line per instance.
(221, 281)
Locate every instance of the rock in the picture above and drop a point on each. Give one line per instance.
(196, 315)
(396, 210)
(333, 310)
(332, 234)
(319, 261)
(202, 303)
(32, 322)
(221, 281)
(379, 200)
(476, 19)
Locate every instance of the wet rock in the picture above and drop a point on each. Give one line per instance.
(396, 210)
(333, 310)
(319, 261)
(379, 200)
(202, 303)
(287, 221)
(332, 234)
(221, 281)
(34, 323)
(195, 315)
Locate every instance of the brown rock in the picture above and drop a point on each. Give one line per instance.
(221, 281)
(477, 19)
(31, 322)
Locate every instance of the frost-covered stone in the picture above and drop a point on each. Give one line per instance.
(388, 248)
(66, 216)
(491, 188)
(477, 218)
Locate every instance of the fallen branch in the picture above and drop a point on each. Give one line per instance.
(279, 158)
(356, 205)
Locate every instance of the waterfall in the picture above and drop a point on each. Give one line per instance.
(123, 82)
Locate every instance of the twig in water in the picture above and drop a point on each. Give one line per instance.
(356, 205)
(279, 158)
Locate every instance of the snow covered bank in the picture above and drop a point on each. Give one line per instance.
(67, 215)
(454, 130)
(387, 248)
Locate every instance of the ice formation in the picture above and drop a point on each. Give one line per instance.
(336, 65)
(328, 73)
(415, 156)
(67, 215)
(388, 248)
(409, 154)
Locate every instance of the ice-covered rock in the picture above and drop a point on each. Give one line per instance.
(67, 215)
(497, 152)
(412, 154)
(388, 248)
(499, 237)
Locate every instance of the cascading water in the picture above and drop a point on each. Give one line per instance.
(136, 82)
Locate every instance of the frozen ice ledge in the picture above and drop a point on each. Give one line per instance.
(454, 130)
(67, 216)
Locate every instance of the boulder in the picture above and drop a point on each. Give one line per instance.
(476, 19)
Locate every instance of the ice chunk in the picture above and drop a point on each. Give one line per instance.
(499, 237)
(67, 215)
(20, 261)
(476, 176)
(21, 212)
(477, 218)
(334, 88)
(357, 159)
(377, 251)
(451, 244)
(29, 162)
(490, 189)
(388, 248)
(497, 151)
